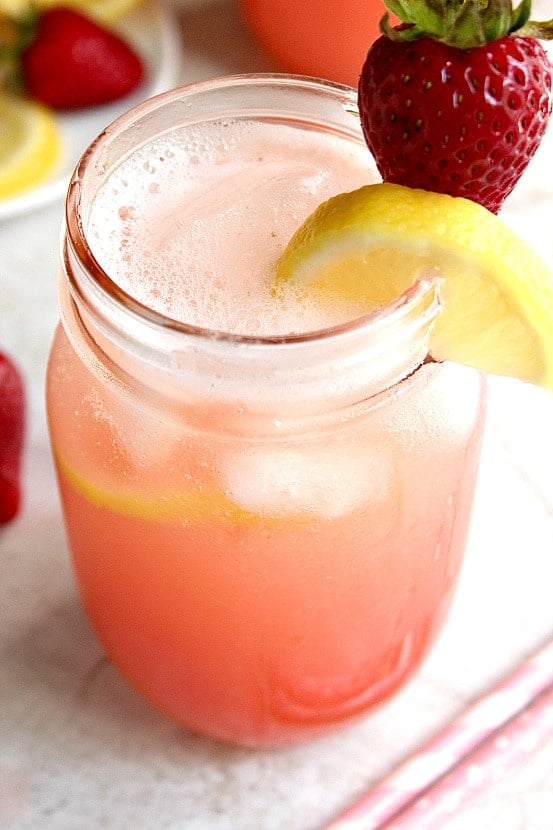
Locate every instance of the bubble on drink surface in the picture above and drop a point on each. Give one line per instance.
(126, 213)
(324, 483)
(201, 246)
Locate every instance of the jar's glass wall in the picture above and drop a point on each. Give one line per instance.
(266, 534)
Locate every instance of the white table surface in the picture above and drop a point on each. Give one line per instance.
(79, 750)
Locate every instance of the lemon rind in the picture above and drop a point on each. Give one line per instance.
(35, 158)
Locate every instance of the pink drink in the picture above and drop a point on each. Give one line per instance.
(192, 226)
(266, 529)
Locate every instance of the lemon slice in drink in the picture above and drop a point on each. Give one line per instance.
(184, 506)
(370, 245)
(29, 145)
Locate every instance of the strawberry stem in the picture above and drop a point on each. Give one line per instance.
(521, 15)
(16, 33)
(462, 23)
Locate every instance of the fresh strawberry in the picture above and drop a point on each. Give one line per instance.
(12, 414)
(73, 62)
(457, 98)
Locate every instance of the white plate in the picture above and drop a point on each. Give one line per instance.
(153, 32)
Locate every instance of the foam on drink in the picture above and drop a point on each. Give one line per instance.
(192, 224)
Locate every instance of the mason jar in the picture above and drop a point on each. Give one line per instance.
(266, 528)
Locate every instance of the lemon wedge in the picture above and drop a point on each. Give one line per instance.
(30, 145)
(370, 245)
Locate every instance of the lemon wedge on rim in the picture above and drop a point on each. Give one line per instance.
(370, 245)
(30, 145)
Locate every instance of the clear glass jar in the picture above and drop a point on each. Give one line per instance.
(266, 531)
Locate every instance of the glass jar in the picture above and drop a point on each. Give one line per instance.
(325, 38)
(266, 531)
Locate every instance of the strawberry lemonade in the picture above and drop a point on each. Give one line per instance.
(266, 490)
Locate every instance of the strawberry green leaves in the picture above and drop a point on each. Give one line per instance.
(463, 24)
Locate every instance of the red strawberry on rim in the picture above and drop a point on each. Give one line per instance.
(457, 98)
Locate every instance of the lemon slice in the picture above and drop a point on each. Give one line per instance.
(29, 145)
(104, 11)
(370, 245)
(185, 507)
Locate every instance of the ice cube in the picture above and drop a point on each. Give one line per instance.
(324, 482)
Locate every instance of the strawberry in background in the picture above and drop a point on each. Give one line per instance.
(65, 60)
(12, 425)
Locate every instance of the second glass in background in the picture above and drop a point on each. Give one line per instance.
(324, 38)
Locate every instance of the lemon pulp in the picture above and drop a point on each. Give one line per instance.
(370, 245)
(30, 145)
